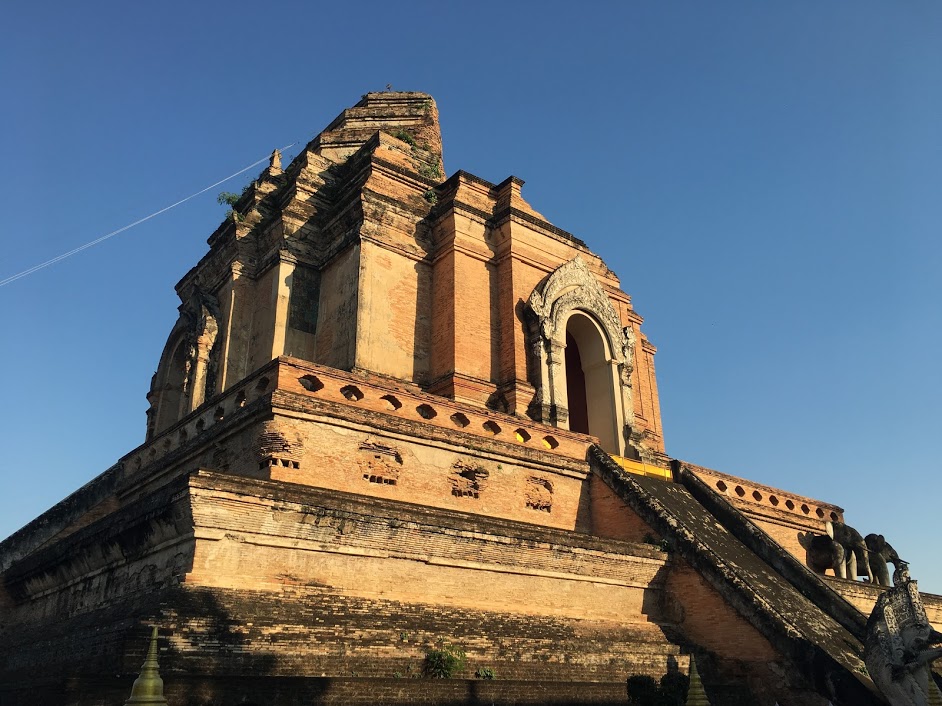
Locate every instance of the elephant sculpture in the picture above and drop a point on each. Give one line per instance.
(841, 549)
(856, 554)
(881, 552)
(822, 553)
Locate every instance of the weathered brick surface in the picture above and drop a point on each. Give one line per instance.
(316, 631)
(328, 522)
(779, 611)
(364, 257)
(707, 619)
(336, 691)
(611, 518)
(302, 529)
(345, 587)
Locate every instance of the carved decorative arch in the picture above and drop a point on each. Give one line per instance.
(569, 289)
(186, 373)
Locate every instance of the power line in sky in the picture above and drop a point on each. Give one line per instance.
(113, 233)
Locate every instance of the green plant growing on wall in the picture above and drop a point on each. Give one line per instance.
(485, 673)
(421, 154)
(405, 137)
(431, 171)
(230, 199)
(444, 661)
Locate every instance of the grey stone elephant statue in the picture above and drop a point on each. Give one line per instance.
(856, 554)
(822, 553)
(841, 549)
(881, 553)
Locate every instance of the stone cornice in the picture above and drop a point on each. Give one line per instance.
(111, 539)
(469, 525)
(457, 177)
(509, 212)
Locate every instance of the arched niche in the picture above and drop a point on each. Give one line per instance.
(185, 376)
(592, 383)
(569, 306)
(173, 386)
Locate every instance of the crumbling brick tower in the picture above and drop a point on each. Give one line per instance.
(398, 411)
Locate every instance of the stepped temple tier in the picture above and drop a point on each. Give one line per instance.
(404, 446)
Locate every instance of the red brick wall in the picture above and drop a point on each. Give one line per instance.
(612, 519)
(706, 619)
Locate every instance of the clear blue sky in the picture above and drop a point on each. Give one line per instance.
(764, 178)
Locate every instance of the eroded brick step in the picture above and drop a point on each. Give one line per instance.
(183, 690)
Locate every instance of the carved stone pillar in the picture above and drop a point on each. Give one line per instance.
(204, 344)
(556, 376)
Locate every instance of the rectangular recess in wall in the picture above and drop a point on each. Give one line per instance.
(303, 302)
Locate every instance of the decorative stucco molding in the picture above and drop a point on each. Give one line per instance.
(573, 288)
(196, 334)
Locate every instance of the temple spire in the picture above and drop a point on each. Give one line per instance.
(696, 696)
(148, 687)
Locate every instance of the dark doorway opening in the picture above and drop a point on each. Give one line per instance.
(575, 388)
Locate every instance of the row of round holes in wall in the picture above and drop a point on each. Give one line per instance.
(757, 496)
(312, 383)
(218, 415)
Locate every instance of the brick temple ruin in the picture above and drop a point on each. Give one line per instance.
(399, 411)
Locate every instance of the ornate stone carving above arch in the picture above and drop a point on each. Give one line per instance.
(569, 289)
(572, 286)
(187, 371)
